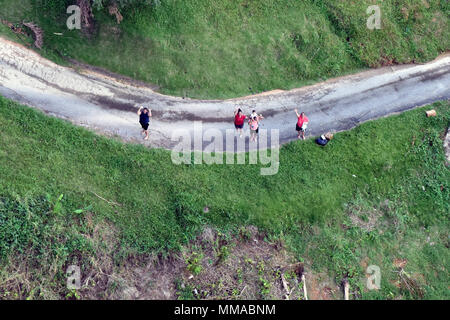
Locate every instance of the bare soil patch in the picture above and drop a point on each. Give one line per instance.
(213, 266)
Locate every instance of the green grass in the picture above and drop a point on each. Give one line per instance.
(223, 49)
(307, 204)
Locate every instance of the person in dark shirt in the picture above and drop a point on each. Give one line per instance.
(144, 119)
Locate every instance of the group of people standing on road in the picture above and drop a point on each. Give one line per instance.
(254, 120)
(253, 123)
(239, 119)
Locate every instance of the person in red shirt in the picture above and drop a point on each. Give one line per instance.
(239, 119)
(302, 124)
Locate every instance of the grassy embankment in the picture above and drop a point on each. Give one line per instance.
(223, 49)
(374, 194)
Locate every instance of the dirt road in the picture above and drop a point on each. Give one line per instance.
(108, 104)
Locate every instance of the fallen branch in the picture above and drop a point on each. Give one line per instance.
(16, 30)
(87, 17)
(108, 201)
(285, 286)
(114, 10)
(346, 289)
(304, 286)
(38, 34)
(411, 285)
(240, 294)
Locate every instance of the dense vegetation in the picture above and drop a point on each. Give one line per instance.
(226, 48)
(372, 195)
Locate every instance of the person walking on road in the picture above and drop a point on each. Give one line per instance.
(239, 119)
(144, 119)
(302, 124)
(254, 126)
